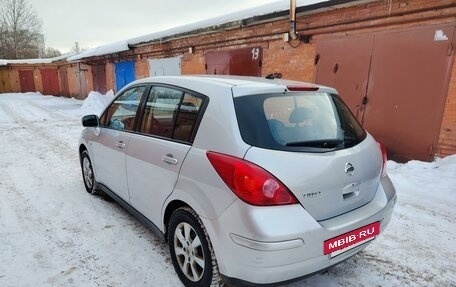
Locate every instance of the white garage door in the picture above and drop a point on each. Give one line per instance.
(165, 67)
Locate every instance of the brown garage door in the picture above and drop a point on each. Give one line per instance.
(241, 62)
(5, 85)
(26, 80)
(344, 63)
(64, 89)
(406, 75)
(50, 78)
(99, 78)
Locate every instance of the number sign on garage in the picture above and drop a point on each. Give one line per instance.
(241, 62)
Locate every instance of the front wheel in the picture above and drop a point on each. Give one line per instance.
(87, 174)
(191, 250)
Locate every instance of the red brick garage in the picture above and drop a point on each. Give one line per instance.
(403, 95)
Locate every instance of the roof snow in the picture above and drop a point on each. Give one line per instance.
(36, 61)
(213, 22)
(116, 47)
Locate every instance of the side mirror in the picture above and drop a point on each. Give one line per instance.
(90, 121)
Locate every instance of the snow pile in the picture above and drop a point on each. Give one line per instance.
(431, 184)
(95, 103)
(439, 177)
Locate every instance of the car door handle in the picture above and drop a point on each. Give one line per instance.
(169, 159)
(120, 144)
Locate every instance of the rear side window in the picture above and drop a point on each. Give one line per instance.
(171, 113)
(314, 122)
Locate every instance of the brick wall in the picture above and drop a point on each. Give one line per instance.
(297, 63)
(193, 63)
(447, 138)
(292, 63)
(141, 68)
(293, 60)
(378, 14)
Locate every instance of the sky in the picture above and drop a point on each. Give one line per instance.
(92, 23)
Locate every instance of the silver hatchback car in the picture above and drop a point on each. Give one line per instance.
(249, 180)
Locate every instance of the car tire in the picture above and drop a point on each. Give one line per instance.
(191, 250)
(87, 174)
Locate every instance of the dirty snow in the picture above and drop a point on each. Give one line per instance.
(52, 233)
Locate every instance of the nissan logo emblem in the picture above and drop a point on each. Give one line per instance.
(349, 169)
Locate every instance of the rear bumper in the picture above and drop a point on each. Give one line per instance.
(264, 245)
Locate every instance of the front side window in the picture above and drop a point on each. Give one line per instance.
(122, 112)
(170, 113)
(314, 122)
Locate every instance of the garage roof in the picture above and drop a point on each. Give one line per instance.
(268, 11)
(36, 61)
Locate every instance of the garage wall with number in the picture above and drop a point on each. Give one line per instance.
(392, 61)
(240, 62)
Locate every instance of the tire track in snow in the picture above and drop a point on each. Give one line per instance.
(58, 235)
(41, 130)
(34, 221)
(68, 237)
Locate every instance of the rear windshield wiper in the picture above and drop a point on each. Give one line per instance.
(324, 143)
(350, 141)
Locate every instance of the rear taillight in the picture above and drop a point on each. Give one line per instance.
(384, 157)
(249, 182)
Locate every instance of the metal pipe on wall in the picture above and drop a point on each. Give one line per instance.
(293, 34)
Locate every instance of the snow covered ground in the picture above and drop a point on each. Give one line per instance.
(52, 233)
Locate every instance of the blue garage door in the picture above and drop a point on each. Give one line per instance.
(125, 73)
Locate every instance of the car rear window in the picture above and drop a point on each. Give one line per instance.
(308, 121)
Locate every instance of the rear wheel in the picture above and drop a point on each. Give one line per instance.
(191, 250)
(88, 175)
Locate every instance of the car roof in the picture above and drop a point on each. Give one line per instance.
(242, 84)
